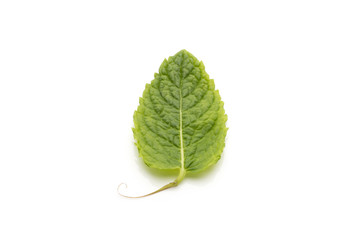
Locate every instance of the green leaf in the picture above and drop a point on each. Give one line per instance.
(180, 122)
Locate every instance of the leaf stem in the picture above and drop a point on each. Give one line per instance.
(174, 183)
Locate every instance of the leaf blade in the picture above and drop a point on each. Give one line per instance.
(180, 122)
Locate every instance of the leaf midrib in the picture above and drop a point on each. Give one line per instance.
(182, 158)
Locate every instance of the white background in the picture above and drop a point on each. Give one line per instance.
(71, 74)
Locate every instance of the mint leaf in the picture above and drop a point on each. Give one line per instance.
(180, 122)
